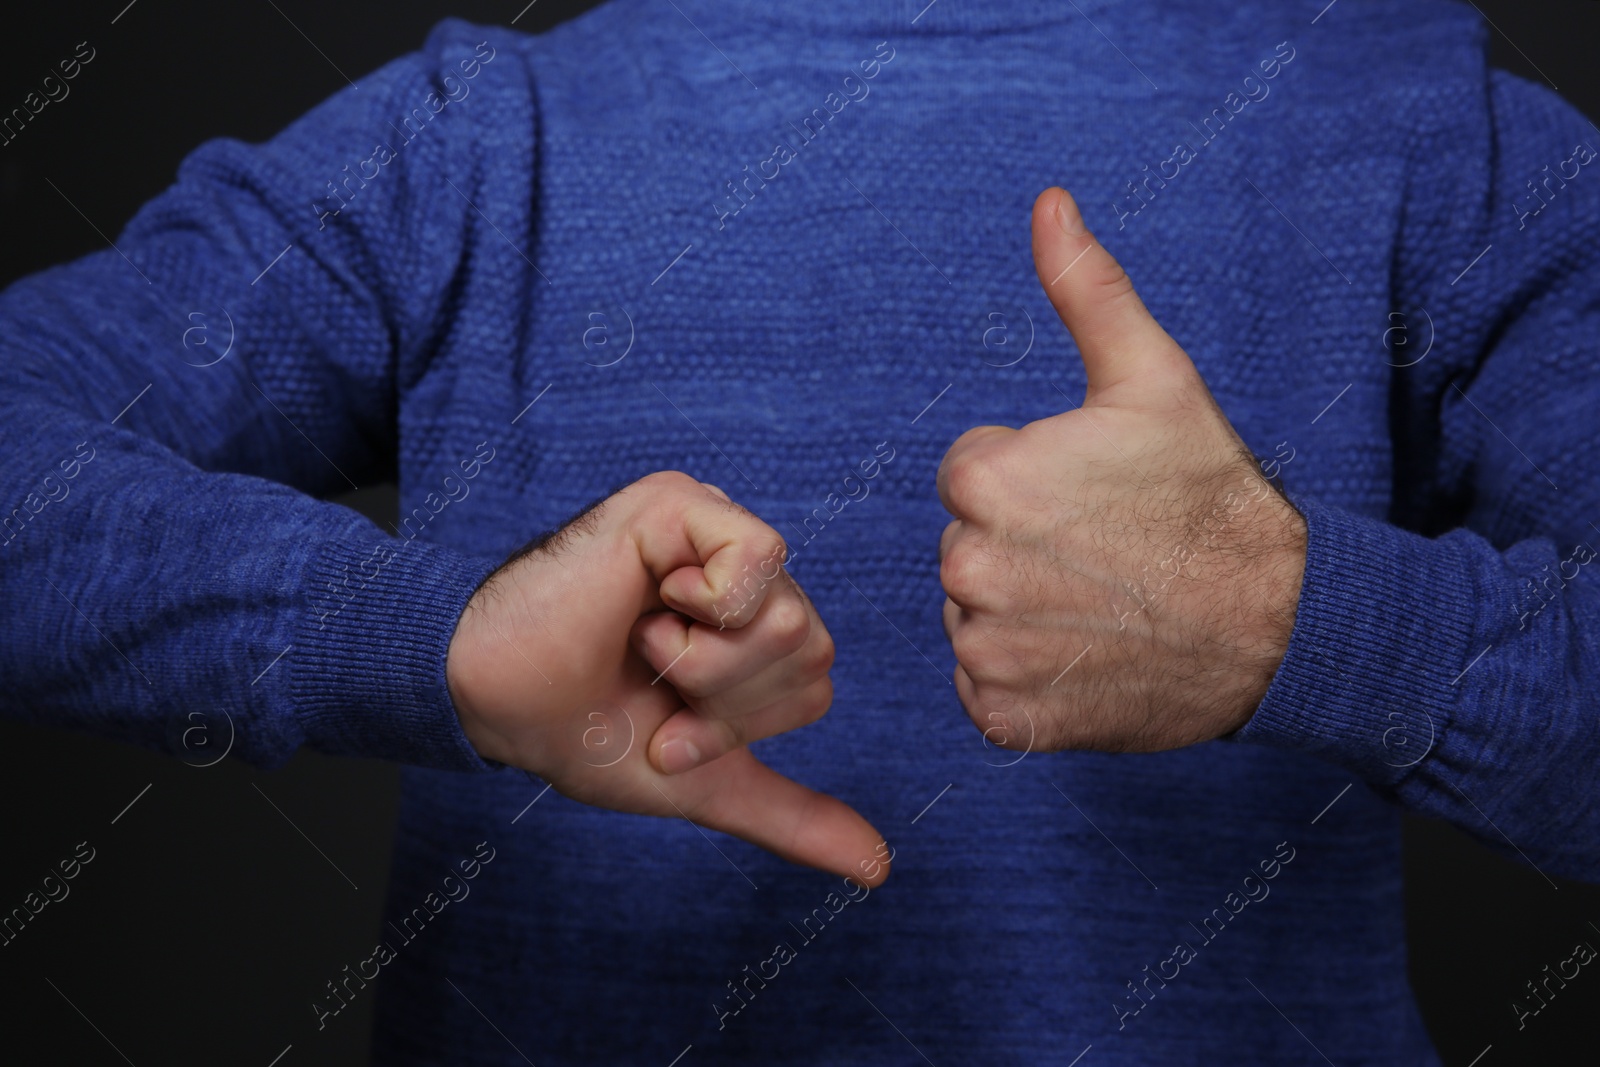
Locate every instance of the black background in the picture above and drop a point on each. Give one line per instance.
(207, 922)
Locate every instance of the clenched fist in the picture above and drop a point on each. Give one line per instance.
(1120, 576)
(628, 659)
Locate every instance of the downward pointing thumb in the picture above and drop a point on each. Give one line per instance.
(1125, 351)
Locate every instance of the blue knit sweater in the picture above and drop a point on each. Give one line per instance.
(762, 243)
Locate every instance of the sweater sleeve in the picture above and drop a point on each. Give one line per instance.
(172, 407)
(1457, 669)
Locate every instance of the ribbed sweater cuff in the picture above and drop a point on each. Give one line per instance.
(369, 659)
(1382, 631)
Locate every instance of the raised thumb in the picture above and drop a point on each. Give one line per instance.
(1126, 354)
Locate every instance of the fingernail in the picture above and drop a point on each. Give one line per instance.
(1069, 217)
(679, 756)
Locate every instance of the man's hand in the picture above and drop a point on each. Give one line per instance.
(629, 658)
(1120, 576)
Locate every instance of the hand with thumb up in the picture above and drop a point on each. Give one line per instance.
(1120, 576)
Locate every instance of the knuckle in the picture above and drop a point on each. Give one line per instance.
(777, 552)
(1112, 283)
(664, 480)
(1000, 728)
(817, 699)
(961, 574)
(1188, 396)
(659, 495)
(979, 474)
(953, 571)
(969, 479)
(789, 623)
(949, 537)
(730, 734)
(689, 683)
(992, 711)
(978, 656)
(818, 658)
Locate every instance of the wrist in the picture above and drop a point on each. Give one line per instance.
(1270, 596)
(469, 665)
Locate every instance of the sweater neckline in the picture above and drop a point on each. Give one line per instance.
(902, 18)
